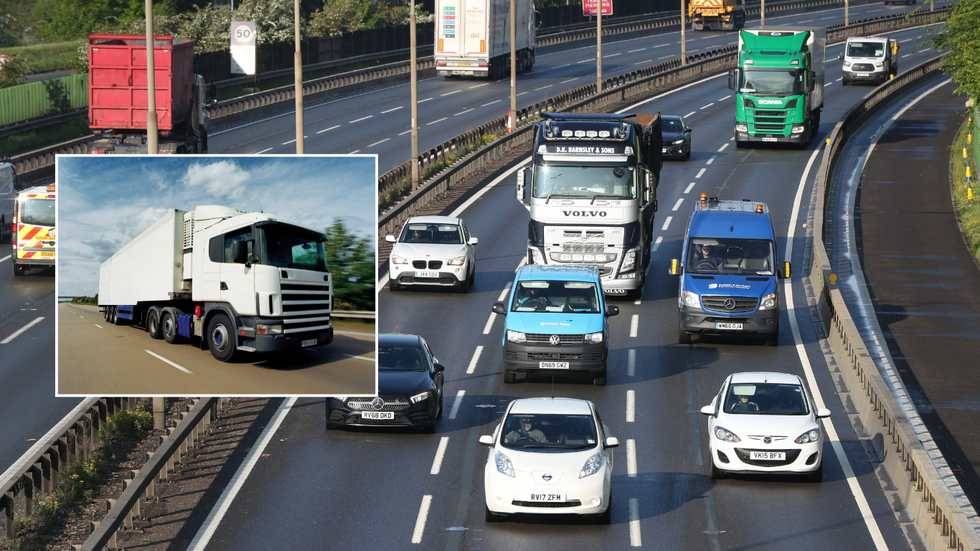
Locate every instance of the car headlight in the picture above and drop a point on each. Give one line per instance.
(395, 259)
(691, 300)
(458, 261)
(797, 128)
(726, 435)
(769, 302)
(593, 338)
(592, 466)
(629, 260)
(878, 64)
(678, 142)
(847, 64)
(266, 329)
(536, 256)
(810, 436)
(504, 466)
(516, 337)
(419, 397)
(741, 127)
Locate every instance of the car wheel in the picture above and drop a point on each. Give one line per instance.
(606, 516)
(472, 280)
(683, 337)
(430, 428)
(817, 475)
(600, 379)
(493, 517)
(687, 155)
(221, 338)
(393, 286)
(153, 323)
(509, 376)
(440, 405)
(168, 326)
(18, 270)
(327, 418)
(716, 473)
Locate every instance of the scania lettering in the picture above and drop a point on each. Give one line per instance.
(227, 280)
(593, 194)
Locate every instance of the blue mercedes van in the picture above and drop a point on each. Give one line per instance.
(556, 321)
(729, 272)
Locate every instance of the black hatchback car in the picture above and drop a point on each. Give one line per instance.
(410, 380)
(676, 136)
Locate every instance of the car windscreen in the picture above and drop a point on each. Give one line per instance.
(766, 399)
(448, 234)
(570, 297)
(400, 358)
(548, 432)
(714, 255)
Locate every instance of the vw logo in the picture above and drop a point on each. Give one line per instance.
(730, 303)
(767, 440)
(555, 340)
(378, 403)
(546, 477)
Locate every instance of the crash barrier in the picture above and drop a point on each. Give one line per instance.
(70, 441)
(927, 502)
(161, 463)
(357, 314)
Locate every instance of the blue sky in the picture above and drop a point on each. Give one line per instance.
(104, 201)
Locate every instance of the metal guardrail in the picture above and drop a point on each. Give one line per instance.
(356, 314)
(937, 516)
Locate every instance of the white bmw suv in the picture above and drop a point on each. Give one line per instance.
(432, 250)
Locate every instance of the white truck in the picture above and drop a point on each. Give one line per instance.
(869, 59)
(224, 279)
(473, 37)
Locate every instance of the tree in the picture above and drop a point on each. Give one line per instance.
(12, 72)
(351, 261)
(960, 35)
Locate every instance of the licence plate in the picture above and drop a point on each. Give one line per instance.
(767, 456)
(547, 497)
(378, 415)
(427, 273)
(308, 342)
(735, 326)
(47, 255)
(768, 139)
(553, 365)
(862, 74)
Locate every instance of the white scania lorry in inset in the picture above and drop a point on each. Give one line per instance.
(227, 280)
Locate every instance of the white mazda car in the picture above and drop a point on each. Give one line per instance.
(432, 250)
(765, 423)
(549, 456)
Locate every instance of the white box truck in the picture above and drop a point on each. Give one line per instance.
(227, 280)
(473, 37)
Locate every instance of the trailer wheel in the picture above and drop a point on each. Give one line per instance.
(221, 338)
(153, 323)
(168, 326)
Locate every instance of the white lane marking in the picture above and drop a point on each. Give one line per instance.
(438, 121)
(354, 152)
(610, 55)
(631, 363)
(99, 326)
(644, 62)
(424, 100)
(405, 132)
(394, 109)
(490, 320)
(630, 406)
(701, 172)
(474, 360)
(634, 323)
(18, 332)
(462, 112)
(362, 119)
(634, 51)
(828, 84)
(666, 223)
(569, 80)
(586, 60)
(659, 46)
(365, 358)
(440, 454)
(492, 102)
(678, 204)
(724, 98)
(165, 360)
(479, 85)
(668, 56)
(379, 143)
(333, 127)
(263, 151)
(451, 93)
(560, 66)
(689, 188)
(631, 458)
(709, 105)
(656, 244)
(543, 87)
(217, 513)
(711, 160)
(521, 94)
(456, 403)
(691, 113)
(635, 540)
(852, 482)
(723, 147)
(420, 521)
(5, 258)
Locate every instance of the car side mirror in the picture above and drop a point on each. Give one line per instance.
(498, 308)
(473, 241)
(390, 239)
(612, 310)
(840, 55)
(486, 439)
(823, 413)
(709, 410)
(439, 367)
(611, 442)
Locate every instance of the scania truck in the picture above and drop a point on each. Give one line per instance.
(593, 195)
(227, 280)
(473, 37)
(778, 85)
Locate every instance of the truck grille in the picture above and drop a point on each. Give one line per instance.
(431, 264)
(770, 120)
(721, 304)
(582, 248)
(306, 307)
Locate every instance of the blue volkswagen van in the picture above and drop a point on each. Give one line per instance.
(556, 321)
(728, 271)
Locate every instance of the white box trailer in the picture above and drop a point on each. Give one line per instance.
(473, 37)
(148, 268)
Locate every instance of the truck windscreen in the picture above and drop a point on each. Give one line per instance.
(287, 246)
(584, 181)
(772, 83)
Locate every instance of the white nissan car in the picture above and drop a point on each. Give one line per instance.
(765, 423)
(432, 250)
(549, 456)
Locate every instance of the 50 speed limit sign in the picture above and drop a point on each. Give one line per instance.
(243, 47)
(243, 33)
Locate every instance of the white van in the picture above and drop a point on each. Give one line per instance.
(869, 59)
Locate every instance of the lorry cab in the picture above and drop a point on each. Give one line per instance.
(33, 233)
(869, 59)
(729, 272)
(555, 320)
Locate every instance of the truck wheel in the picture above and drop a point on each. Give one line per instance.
(530, 62)
(168, 326)
(510, 376)
(600, 378)
(683, 337)
(18, 270)
(153, 323)
(221, 338)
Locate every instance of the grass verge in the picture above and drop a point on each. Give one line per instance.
(968, 213)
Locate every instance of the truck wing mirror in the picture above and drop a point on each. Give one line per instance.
(521, 179)
(733, 79)
(239, 252)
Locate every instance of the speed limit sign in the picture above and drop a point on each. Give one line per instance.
(243, 33)
(243, 47)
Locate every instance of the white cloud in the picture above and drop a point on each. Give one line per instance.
(222, 179)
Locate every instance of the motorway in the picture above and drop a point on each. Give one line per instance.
(99, 358)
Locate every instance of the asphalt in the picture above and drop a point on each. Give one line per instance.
(922, 281)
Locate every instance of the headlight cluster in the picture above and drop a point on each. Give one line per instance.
(769, 302)
(629, 260)
(592, 466)
(594, 338)
(516, 337)
(458, 261)
(504, 466)
(726, 435)
(678, 142)
(847, 64)
(265, 329)
(798, 128)
(419, 397)
(741, 127)
(536, 256)
(691, 300)
(808, 437)
(395, 259)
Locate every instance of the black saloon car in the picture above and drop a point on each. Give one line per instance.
(409, 389)
(676, 135)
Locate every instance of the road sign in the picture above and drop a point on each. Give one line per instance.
(243, 47)
(589, 7)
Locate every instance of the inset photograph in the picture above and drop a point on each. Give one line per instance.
(216, 275)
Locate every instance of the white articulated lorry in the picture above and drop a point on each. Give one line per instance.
(473, 37)
(227, 280)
